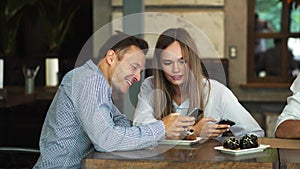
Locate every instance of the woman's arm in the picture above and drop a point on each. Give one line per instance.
(231, 109)
(144, 112)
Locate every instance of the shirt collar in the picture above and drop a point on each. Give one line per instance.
(182, 108)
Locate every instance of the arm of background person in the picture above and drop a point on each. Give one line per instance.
(288, 123)
(288, 129)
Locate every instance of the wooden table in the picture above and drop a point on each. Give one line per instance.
(281, 143)
(289, 158)
(15, 95)
(13, 117)
(288, 150)
(201, 156)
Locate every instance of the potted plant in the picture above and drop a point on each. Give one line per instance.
(10, 17)
(57, 16)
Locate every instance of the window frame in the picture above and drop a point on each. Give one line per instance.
(284, 34)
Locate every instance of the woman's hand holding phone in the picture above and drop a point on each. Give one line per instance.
(225, 124)
(208, 128)
(227, 121)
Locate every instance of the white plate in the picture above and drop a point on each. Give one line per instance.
(181, 142)
(261, 148)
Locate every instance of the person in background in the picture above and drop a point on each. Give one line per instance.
(260, 43)
(178, 86)
(82, 116)
(288, 123)
(270, 61)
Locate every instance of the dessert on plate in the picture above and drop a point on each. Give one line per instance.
(245, 142)
(190, 135)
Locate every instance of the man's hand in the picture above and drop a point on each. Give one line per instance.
(177, 126)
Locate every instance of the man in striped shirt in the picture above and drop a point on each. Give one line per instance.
(82, 116)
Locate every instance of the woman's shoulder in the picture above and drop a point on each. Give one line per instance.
(213, 83)
(148, 82)
(216, 87)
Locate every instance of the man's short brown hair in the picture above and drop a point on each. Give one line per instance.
(121, 42)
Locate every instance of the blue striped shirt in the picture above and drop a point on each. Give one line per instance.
(82, 118)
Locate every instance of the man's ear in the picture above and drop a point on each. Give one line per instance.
(110, 56)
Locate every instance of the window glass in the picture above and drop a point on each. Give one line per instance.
(274, 52)
(295, 19)
(269, 63)
(268, 16)
(294, 47)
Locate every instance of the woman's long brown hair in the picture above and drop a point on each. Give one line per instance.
(194, 86)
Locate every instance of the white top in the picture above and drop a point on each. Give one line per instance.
(292, 110)
(221, 104)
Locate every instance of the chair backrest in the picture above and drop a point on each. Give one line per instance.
(18, 157)
(217, 69)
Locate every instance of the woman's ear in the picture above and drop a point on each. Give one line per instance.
(110, 56)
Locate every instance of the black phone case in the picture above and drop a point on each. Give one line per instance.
(226, 121)
(196, 113)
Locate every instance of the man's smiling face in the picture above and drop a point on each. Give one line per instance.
(127, 71)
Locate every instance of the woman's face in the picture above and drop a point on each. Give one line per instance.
(173, 65)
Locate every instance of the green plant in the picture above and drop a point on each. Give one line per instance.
(57, 16)
(10, 17)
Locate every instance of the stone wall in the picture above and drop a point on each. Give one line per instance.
(206, 17)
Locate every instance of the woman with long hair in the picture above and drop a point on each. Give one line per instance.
(178, 85)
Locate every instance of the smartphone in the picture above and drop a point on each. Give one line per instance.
(227, 121)
(196, 112)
